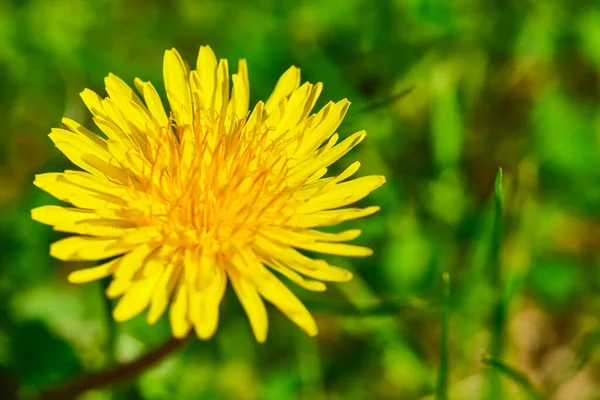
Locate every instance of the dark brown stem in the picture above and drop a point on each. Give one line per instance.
(118, 373)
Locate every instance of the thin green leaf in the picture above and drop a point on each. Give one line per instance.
(385, 102)
(391, 307)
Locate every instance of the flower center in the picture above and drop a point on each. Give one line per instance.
(217, 182)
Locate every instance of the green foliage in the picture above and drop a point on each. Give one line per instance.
(40, 358)
(492, 84)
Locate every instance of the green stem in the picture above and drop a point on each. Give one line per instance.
(110, 376)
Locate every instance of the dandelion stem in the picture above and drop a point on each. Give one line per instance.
(110, 376)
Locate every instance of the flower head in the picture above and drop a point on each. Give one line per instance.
(211, 193)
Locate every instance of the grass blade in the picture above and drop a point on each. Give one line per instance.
(441, 392)
(497, 324)
(514, 375)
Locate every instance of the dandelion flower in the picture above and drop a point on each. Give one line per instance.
(181, 203)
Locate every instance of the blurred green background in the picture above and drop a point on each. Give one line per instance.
(495, 83)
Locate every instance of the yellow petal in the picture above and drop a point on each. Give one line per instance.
(252, 304)
(111, 129)
(311, 183)
(274, 117)
(191, 261)
(93, 274)
(317, 269)
(158, 261)
(95, 184)
(132, 161)
(331, 217)
(347, 173)
(209, 298)
(300, 103)
(329, 119)
(206, 65)
(242, 88)
(81, 248)
(339, 249)
(153, 102)
(291, 237)
(117, 287)
(82, 222)
(255, 119)
(289, 81)
(131, 111)
(51, 215)
(76, 127)
(135, 300)
(307, 284)
(163, 289)
(131, 262)
(120, 92)
(180, 325)
(343, 236)
(326, 158)
(115, 115)
(80, 150)
(178, 89)
(221, 97)
(240, 98)
(59, 186)
(141, 235)
(321, 270)
(281, 297)
(98, 227)
(93, 102)
(342, 194)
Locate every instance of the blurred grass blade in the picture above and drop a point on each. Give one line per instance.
(584, 350)
(514, 375)
(310, 372)
(111, 326)
(385, 102)
(447, 125)
(498, 310)
(441, 392)
(497, 235)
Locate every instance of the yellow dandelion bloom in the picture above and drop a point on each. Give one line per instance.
(210, 193)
